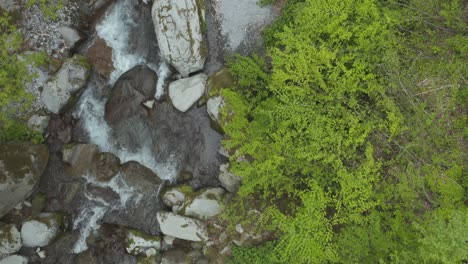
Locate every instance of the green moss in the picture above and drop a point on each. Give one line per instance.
(143, 235)
(221, 79)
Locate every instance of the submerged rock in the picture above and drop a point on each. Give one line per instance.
(21, 166)
(71, 77)
(186, 92)
(176, 257)
(182, 227)
(178, 30)
(40, 231)
(10, 240)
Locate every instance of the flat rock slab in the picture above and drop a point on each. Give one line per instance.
(186, 92)
(182, 227)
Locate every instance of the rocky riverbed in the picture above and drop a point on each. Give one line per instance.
(132, 169)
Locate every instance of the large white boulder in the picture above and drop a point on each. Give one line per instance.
(10, 240)
(186, 92)
(14, 259)
(205, 205)
(179, 34)
(69, 79)
(40, 231)
(21, 166)
(182, 227)
(229, 181)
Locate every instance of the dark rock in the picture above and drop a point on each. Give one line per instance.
(21, 166)
(132, 89)
(105, 166)
(100, 57)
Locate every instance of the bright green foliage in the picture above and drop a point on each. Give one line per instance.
(355, 133)
(14, 100)
(48, 7)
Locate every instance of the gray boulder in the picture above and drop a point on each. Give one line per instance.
(229, 180)
(186, 92)
(70, 35)
(21, 166)
(71, 77)
(213, 107)
(38, 123)
(178, 30)
(10, 240)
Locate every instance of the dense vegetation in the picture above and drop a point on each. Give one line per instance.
(14, 74)
(353, 130)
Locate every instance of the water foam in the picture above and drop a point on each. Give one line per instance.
(114, 29)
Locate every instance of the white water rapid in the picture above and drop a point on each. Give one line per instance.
(114, 29)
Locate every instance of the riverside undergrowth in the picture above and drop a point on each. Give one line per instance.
(354, 129)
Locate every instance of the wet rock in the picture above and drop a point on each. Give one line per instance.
(99, 55)
(186, 92)
(138, 242)
(38, 123)
(229, 181)
(10, 239)
(205, 205)
(184, 176)
(142, 179)
(14, 259)
(138, 206)
(182, 227)
(21, 166)
(70, 35)
(179, 34)
(105, 166)
(173, 196)
(40, 231)
(86, 257)
(69, 79)
(132, 89)
(78, 158)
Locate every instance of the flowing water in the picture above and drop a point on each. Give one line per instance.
(115, 29)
